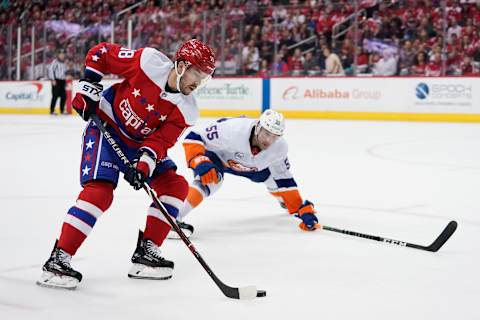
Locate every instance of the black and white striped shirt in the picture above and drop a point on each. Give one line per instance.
(57, 70)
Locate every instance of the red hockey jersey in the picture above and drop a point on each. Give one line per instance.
(139, 108)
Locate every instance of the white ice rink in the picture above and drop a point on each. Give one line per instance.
(394, 179)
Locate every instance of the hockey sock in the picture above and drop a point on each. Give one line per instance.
(157, 226)
(95, 198)
(173, 189)
(194, 198)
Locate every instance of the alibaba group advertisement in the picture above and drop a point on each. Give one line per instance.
(323, 94)
(417, 95)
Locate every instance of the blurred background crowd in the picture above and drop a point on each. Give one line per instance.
(257, 38)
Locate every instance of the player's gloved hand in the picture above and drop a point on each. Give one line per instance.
(141, 170)
(306, 212)
(87, 98)
(204, 168)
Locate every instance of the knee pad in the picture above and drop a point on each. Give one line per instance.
(98, 193)
(171, 184)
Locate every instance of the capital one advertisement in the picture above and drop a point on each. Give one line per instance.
(25, 94)
(417, 95)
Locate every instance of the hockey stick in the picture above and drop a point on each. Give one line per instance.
(434, 247)
(249, 292)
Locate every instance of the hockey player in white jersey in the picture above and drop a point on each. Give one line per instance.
(254, 149)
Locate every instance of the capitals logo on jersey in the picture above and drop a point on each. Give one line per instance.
(131, 118)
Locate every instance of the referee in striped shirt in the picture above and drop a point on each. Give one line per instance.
(56, 73)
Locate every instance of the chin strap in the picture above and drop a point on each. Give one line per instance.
(179, 76)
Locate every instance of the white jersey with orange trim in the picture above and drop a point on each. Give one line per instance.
(227, 143)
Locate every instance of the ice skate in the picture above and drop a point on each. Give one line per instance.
(148, 263)
(57, 272)
(186, 228)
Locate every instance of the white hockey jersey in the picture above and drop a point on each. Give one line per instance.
(227, 143)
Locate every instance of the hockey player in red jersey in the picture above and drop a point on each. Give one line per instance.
(145, 113)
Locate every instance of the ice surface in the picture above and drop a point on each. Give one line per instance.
(395, 179)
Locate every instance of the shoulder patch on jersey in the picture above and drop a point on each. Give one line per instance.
(188, 107)
(283, 146)
(156, 66)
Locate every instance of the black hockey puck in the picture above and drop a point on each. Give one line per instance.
(261, 293)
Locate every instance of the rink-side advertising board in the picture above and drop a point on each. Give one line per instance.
(230, 97)
(383, 98)
(25, 96)
(226, 97)
(366, 98)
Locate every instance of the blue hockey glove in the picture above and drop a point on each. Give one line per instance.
(204, 168)
(306, 213)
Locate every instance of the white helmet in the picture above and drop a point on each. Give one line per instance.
(272, 121)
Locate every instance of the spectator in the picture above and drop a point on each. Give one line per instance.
(266, 48)
(434, 67)
(453, 29)
(436, 49)
(387, 65)
(251, 58)
(264, 72)
(287, 38)
(407, 57)
(296, 62)
(419, 64)
(346, 60)
(454, 60)
(362, 60)
(310, 64)
(279, 67)
(332, 62)
(466, 66)
(385, 28)
(410, 31)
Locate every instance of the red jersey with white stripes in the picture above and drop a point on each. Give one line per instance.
(139, 108)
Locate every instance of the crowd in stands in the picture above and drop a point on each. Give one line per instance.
(264, 38)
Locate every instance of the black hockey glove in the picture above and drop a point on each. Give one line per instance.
(143, 166)
(135, 177)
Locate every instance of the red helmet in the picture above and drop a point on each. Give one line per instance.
(195, 52)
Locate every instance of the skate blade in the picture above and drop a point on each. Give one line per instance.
(140, 271)
(173, 235)
(52, 280)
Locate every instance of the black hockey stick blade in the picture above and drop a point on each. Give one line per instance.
(243, 293)
(441, 239)
(434, 247)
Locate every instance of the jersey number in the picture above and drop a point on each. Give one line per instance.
(212, 132)
(126, 53)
